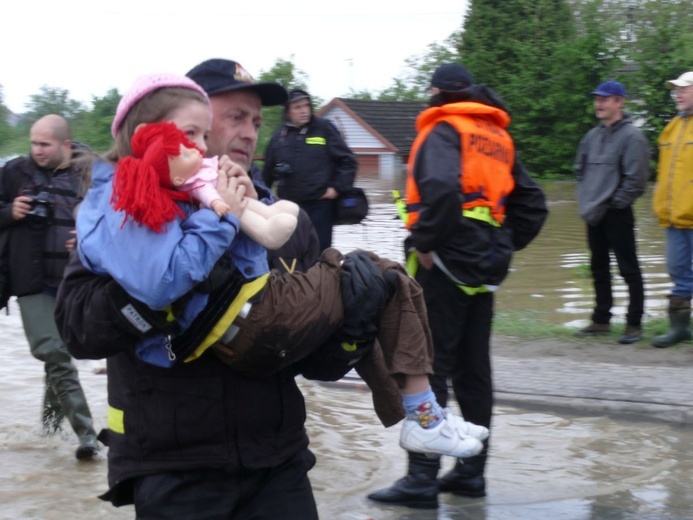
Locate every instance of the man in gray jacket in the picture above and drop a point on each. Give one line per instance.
(612, 168)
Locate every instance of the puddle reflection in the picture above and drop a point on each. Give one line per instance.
(541, 465)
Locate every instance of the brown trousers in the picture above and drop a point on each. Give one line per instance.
(298, 312)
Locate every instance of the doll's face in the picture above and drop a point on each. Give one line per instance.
(184, 165)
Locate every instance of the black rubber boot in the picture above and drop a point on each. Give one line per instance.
(466, 478)
(417, 489)
(680, 323)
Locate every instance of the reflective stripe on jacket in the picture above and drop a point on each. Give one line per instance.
(486, 161)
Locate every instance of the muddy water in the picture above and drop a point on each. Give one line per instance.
(542, 465)
(550, 279)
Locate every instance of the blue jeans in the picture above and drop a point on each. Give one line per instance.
(680, 260)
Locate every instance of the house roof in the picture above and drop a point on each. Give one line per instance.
(393, 120)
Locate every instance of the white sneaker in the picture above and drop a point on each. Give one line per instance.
(470, 429)
(448, 438)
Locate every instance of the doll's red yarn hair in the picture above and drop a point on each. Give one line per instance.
(142, 185)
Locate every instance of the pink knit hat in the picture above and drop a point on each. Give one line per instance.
(146, 84)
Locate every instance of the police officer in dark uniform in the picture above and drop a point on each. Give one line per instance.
(310, 162)
(470, 204)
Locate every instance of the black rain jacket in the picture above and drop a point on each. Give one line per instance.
(306, 161)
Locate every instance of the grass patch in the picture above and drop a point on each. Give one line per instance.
(656, 327)
(527, 324)
(531, 324)
(582, 272)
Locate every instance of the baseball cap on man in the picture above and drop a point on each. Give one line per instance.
(610, 88)
(452, 77)
(219, 75)
(684, 80)
(146, 84)
(296, 94)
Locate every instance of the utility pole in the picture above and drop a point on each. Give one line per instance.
(350, 61)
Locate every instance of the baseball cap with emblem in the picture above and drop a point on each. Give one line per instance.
(218, 75)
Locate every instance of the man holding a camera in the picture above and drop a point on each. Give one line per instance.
(310, 162)
(38, 195)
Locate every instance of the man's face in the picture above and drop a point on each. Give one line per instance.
(683, 96)
(237, 117)
(47, 151)
(608, 108)
(299, 112)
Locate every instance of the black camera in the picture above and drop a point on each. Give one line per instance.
(41, 211)
(283, 168)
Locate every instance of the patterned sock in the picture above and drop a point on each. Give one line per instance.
(423, 408)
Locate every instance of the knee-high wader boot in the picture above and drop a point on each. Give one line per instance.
(679, 323)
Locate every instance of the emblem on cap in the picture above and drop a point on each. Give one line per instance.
(243, 75)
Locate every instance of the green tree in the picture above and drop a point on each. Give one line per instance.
(94, 129)
(12, 141)
(52, 100)
(414, 85)
(525, 51)
(4, 119)
(663, 49)
(289, 76)
(364, 95)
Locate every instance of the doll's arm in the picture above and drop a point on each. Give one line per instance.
(220, 207)
(203, 187)
(267, 225)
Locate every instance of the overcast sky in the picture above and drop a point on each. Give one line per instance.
(91, 46)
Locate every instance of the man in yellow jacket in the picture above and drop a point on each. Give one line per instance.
(673, 205)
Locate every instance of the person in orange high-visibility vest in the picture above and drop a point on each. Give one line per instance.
(469, 204)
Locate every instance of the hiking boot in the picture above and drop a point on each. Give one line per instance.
(594, 329)
(631, 334)
(450, 437)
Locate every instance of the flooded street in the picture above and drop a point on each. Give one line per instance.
(542, 465)
(549, 280)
